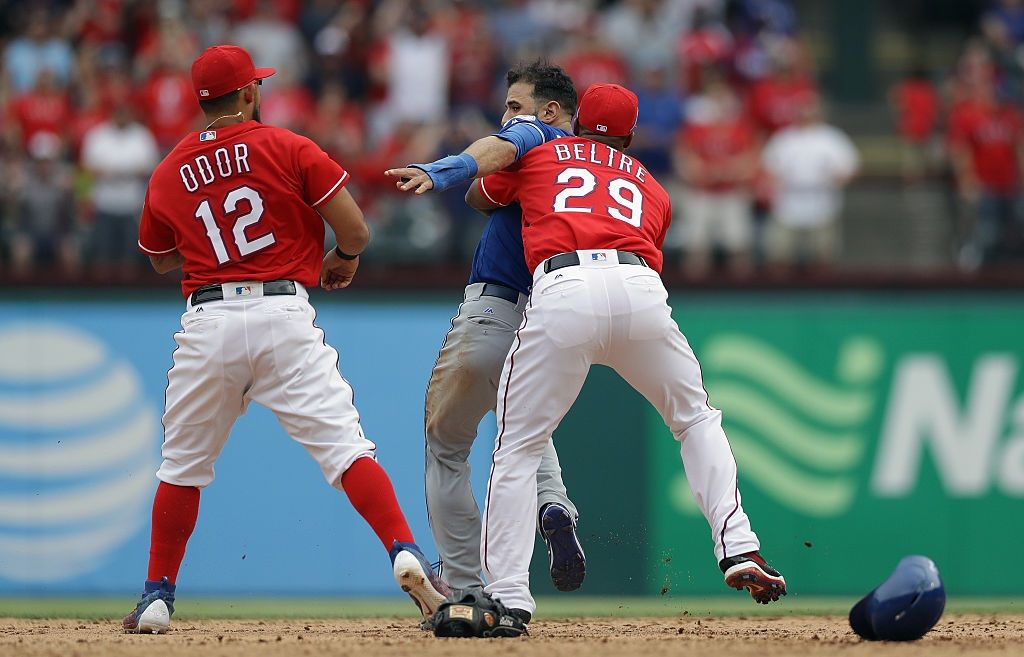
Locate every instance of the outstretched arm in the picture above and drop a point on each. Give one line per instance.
(483, 157)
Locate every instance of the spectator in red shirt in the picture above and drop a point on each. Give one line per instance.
(45, 108)
(589, 60)
(338, 126)
(99, 23)
(779, 99)
(716, 155)
(288, 105)
(707, 46)
(986, 138)
(915, 102)
(168, 102)
(474, 56)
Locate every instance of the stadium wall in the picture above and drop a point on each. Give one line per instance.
(867, 426)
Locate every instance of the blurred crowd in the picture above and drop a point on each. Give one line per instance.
(94, 92)
(968, 127)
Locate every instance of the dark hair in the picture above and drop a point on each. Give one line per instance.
(549, 82)
(225, 103)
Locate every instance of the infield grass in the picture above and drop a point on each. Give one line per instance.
(568, 606)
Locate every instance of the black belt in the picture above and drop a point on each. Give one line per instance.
(572, 259)
(500, 291)
(215, 293)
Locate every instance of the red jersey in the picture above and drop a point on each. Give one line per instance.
(702, 49)
(238, 203)
(918, 106)
(580, 194)
(991, 135)
(718, 145)
(775, 103)
(170, 106)
(41, 112)
(587, 68)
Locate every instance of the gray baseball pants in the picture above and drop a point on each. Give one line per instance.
(463, 388)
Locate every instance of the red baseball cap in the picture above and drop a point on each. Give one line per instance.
(220, 70)
(608, 109)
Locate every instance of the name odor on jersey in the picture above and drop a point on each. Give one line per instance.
(202, 171)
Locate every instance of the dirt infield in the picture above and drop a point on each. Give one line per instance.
(807, 636)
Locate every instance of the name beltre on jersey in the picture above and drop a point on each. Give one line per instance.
(595, 153)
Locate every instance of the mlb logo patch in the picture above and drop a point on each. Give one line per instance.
(205, 93)
(599, 257)
(601, 127)
(208, 135)
(243, 290)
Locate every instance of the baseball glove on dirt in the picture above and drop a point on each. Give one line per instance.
(473, 613)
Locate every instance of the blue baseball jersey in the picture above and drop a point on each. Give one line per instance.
(499, 257)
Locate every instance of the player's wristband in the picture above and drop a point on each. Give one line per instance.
(449, 171)
(344, 256)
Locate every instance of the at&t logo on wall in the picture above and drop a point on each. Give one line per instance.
(77, 453)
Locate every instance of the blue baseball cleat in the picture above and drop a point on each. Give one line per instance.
(152, 615)
(414, 574)
(566, 561)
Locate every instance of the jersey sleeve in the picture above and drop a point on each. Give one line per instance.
(321, 176)
(155, 236)
(500, 188)
(665, 223)
(526, 132)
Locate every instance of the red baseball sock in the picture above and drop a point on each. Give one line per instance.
(373, 496)
(175, 509)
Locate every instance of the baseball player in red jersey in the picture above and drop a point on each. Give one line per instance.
(240, 207)
(594, 220)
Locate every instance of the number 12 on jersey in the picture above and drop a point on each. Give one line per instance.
(245, 246)
(617, 189)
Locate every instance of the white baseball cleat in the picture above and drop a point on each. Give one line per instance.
(415, 576)
(152, 615)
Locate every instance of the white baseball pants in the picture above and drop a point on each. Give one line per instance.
(261, 349)
(617, 315)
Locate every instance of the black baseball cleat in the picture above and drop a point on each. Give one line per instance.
(751, 572)
(566, 561)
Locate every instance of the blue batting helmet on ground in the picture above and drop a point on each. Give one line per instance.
(905, 606)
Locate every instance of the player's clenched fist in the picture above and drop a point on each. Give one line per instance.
(337, 272)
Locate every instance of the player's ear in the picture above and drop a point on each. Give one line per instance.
(249, 93)
(549, 113)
